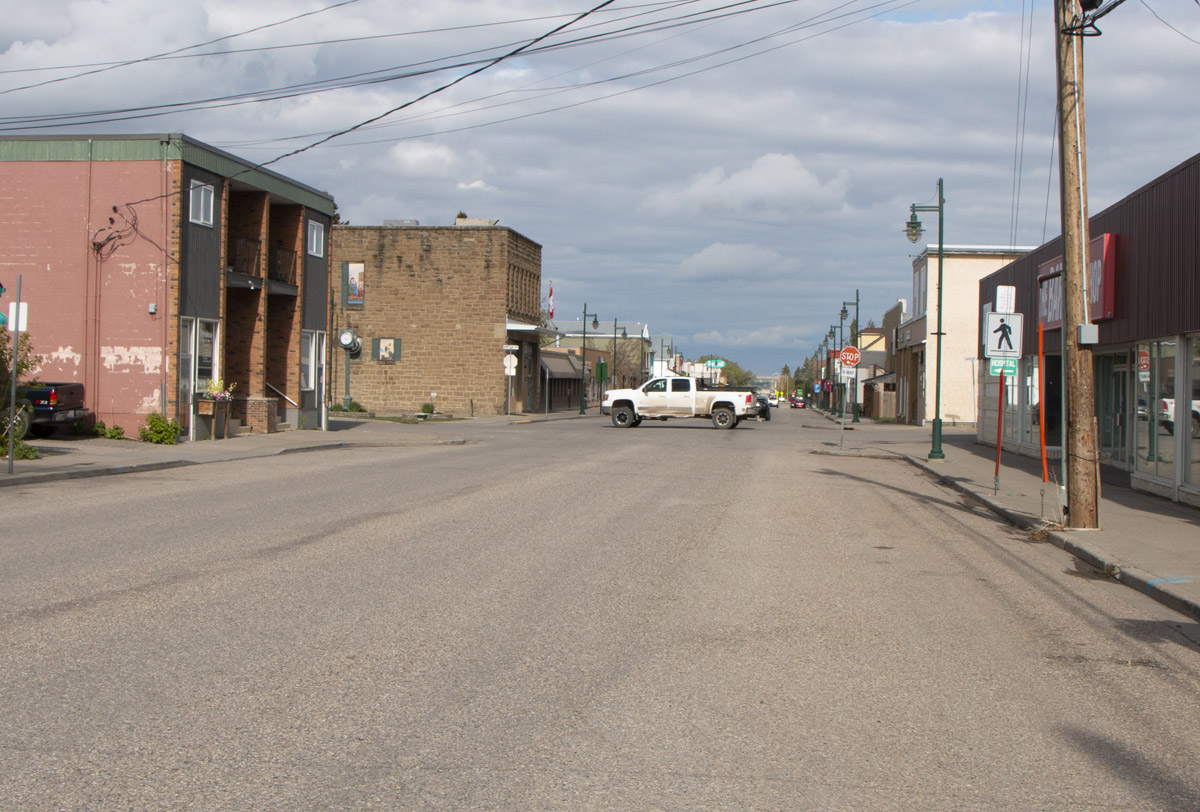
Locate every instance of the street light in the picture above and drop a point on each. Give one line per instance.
(913, 230)
(855, 336)
(830, 339)
(583, 359)
(613, 374)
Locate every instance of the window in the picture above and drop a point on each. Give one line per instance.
(200, 209)
(306, 360)
(656, 386)
(681, 385)
(316, 239)
(1154, 442)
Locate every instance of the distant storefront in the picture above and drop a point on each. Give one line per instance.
(1144, 298)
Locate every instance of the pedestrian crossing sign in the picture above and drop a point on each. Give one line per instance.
(1002, 335)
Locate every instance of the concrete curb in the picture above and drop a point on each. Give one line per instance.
(144, 467)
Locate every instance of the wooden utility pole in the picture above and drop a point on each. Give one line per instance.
(1079, 435)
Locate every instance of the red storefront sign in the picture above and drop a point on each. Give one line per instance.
(1101, 282)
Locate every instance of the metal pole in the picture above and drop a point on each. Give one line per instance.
(935, 451)
(583, 365)
(857, 342)
(12, 374)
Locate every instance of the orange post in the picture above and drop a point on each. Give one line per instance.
(1042, 398)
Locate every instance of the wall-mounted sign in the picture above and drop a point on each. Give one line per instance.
(1101, 284)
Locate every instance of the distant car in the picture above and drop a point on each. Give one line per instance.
(772, 400)
(763, 405)
(798, 403)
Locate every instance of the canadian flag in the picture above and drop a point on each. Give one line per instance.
(551, 300)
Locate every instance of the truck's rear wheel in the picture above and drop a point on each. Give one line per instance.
(724, 418)
(21, 423)
(623, 417)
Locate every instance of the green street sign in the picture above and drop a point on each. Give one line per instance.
(1006, 365)
(715, 363)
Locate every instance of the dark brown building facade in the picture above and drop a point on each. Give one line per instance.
(1144, 302)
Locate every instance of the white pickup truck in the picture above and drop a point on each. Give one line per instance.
(1166, 416)
(663, 398)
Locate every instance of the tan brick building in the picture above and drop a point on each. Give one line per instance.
(434, 308)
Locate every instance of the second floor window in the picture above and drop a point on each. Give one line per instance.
(316, 239)
(200, 209)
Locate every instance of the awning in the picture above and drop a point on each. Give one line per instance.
(529, 329)
(559, 366)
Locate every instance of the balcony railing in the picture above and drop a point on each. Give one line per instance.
(244, 257)
(281, 266)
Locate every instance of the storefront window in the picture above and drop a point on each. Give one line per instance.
(1155, 438)
(1193, 443)
(1029, 376)
(1012, 416)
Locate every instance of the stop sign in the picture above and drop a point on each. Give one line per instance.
(849, 356)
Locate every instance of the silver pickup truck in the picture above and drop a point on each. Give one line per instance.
(665, 398)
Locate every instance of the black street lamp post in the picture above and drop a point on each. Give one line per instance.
(855, 338)
(583, 359)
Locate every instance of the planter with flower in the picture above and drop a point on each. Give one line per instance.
(215, 398)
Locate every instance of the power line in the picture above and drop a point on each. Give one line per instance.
(349, 81)
(178, 50)
(441, 88)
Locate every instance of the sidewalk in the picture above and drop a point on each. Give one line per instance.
(82, 457)
(1144, 541)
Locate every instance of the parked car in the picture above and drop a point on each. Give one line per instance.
(763, 404)
(50, 405)
(799, 403)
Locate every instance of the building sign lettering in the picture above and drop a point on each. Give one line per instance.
(1102, 284)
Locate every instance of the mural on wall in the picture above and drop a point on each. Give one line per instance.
(355, 284)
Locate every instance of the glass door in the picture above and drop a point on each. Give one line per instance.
(1113, 411)
(187, 371)
(197, 366)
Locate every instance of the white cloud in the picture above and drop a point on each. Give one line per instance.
(722, 262)
(775, 187)
(737, 206)
(413, 159)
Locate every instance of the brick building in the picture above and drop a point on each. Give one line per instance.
(434, 308)
(154, 263)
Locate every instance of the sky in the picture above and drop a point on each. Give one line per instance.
(728, 173)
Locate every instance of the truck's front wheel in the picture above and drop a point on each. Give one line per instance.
(724, 418)
(624, 418)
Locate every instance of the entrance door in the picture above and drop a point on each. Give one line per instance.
(1113, 411)
(197, 365)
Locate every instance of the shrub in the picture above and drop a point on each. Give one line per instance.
(160, 430)
(427, 408)
(115, 433)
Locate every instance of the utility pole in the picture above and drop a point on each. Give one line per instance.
(1079, 436)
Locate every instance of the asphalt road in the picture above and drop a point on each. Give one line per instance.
(568, 616)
